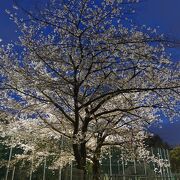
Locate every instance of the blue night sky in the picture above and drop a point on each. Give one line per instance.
(161, 14)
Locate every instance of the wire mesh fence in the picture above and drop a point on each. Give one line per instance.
(76, 174)
(113, 167)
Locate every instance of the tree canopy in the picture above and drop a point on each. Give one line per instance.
(79, 72)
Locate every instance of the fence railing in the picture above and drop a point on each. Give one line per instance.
(76, 174)
(114, 167)
(126, 177)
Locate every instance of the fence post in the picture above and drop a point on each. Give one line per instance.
(60, 168)
(13, 173)
(123, 167)
(31, 171)
(71, 171)
(163, 168)
(169, 169)
(165, 157)
(145, 169)
(60, 173)
(159, 155)
(8, 165)
(44, 170)
(135, 170)
(110, 163)
(152, 153)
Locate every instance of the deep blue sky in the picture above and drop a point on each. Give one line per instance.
(161, 14)
(165, 16)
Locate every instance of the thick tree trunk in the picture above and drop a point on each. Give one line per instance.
(80, 157)
(96, 169)
(96, 158)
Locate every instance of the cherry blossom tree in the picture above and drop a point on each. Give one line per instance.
(37, 143)
(81, 71)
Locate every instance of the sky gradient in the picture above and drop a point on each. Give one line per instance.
(161, 14)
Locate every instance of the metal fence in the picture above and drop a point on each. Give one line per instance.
(113, 167)
(75, 174)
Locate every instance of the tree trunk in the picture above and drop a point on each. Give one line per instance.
(96, 164)
(96, 169)
(80, 157)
